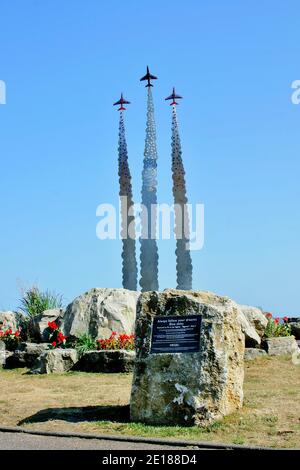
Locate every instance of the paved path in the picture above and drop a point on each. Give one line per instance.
(21, 441)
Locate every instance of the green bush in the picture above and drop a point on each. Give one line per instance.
(84, 343)
(35, 302)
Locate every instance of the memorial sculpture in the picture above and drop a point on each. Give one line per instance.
(148, 242)
(129, 264)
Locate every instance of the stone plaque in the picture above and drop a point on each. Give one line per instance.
(176, 334)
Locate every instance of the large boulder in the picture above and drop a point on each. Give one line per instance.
(251, 336)
(107, 361)
(283, 345)
(99, 312)
(8, 320)
(55, 361)
(39, 330)
(256, 318)
(26, 355)
(188, 388)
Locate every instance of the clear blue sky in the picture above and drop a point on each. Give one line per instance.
(65, 62)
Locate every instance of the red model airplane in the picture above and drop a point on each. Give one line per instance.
(148, 77)
(173, 97)
(121, 102)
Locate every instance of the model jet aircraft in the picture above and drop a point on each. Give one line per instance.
(173, 97)
(121, 102)
(148, 77)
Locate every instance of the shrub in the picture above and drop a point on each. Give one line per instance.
(122, 341)
(35, 302)
(84, 343)
(277, 327)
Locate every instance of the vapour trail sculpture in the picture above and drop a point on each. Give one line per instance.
(149, 251)
(184, 268)
(129, 264)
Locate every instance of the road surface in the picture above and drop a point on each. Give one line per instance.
(22, 441)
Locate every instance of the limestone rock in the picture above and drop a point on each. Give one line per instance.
(39, 324)
(2, 353)
(256, 318)
(25, 355)
(295, 327)
(8, 320)
(252, 338)
(107, 361)
(101, 311)
(188, 388)
(281, 346)
(55, 361)
(254, 353)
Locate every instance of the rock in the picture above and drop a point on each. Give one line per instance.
(98, 312)
(25, 355)
(2, 353)
(252, 338)
(188, 388)
(256, 318)
(55, 361)
(295, 328)
(39, 324)
(107, 361)
(281, 346)
(8, 320)
(253, 353)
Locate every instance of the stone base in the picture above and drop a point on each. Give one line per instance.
(55, 361)
(188, 388)
(107, 361)
(281, 346)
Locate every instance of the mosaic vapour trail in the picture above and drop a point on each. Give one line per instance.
(149, 251)
(129, 264)
(183, 257)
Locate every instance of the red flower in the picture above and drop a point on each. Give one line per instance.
(277, 320)
(60, 337)
(17, 334)
(285, 319)
(52, 325)
(54, 344)
(269, 315)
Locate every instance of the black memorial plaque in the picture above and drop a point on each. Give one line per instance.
(176, 334)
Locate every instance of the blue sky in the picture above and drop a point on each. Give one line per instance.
(65, 63)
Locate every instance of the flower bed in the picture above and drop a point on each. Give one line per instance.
(10, 338)
(277, 327)
(114, 342)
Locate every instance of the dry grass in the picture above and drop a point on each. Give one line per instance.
(99, 403)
